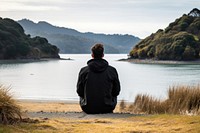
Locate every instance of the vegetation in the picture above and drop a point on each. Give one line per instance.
(179, 41)
(135, 124)
(15, 44)
(180, 100)
(10, 112)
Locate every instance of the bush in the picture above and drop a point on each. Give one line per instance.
(11, 52)
(10, 112)
(189, 53)
(142, 53)
(23, 49)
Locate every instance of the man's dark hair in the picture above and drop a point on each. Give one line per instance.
(97, 51)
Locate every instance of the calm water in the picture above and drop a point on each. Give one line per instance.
(56, 79)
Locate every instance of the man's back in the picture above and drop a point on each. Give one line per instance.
(98, 86)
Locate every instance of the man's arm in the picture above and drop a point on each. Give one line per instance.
(116, 84)
(80, 86)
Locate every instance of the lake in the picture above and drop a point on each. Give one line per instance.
(56, 79)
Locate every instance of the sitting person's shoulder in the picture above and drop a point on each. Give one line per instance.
(84, 69)
(111, 68)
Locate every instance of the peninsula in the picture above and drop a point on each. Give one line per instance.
(178, 42)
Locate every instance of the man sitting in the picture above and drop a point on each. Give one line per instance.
(98, 84)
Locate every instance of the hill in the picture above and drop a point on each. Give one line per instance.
(73, 41)
(15, 44)
(179, 41)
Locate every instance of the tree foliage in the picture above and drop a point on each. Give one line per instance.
(195, 13)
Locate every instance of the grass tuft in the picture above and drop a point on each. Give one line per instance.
(184, 99)
(148, 105)
(180, 100)
(122, 106)
(10, 112)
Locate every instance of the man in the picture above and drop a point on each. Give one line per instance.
(98, 84)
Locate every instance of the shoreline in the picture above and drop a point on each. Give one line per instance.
(34, 60)
(164, 62)
(41, 106)
(47, 101)
(28, 105)
(36, 109)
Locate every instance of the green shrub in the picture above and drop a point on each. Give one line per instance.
(189, 53)
(11, 52)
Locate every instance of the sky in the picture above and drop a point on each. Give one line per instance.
(135, 17)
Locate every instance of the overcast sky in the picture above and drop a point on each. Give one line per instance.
(135, 17)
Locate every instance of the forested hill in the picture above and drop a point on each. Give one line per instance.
(15, 44)
(179, 41)
(73, 41)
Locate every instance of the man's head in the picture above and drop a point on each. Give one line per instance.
(97, 51)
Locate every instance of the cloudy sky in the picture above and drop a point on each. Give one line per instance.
(135, 17)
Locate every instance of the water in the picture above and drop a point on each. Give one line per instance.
(56, 79)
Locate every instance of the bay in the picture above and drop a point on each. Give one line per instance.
(56, 79)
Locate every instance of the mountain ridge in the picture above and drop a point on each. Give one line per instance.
(114, 43)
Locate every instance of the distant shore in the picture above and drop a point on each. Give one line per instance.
(152, 61)
(33, 60)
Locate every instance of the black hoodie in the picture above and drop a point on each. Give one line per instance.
(98, 87)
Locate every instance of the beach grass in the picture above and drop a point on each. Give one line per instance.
(10, 112)
(180, 100)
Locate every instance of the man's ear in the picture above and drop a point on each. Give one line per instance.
(102, 55)
(92, 55)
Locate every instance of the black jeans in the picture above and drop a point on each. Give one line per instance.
(97, 110)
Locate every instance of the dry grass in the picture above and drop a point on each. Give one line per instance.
(136, 124)
(9, 111)
(122, 106)
(91, 124)
(148, 104)
(181, 100)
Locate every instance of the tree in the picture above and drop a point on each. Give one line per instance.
(189, 53)
(195, 13)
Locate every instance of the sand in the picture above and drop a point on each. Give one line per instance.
(57, 109)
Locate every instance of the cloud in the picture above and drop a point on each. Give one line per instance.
(121, 16)
(23, 5)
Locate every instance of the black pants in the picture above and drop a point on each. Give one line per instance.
(97, 110)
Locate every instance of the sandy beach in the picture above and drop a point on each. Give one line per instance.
(62, 109)
(67, 117)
